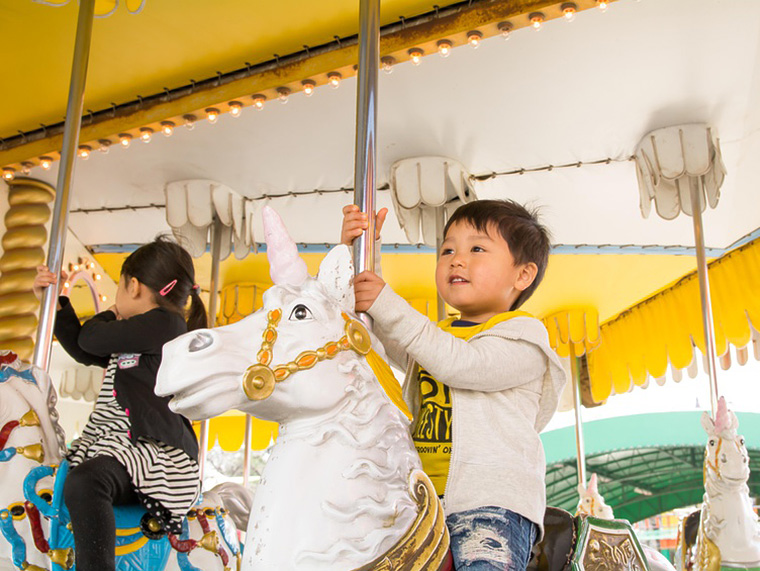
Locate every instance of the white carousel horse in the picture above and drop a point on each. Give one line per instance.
(729, 532)
(343, 488)
(32, 517)
(591, 501)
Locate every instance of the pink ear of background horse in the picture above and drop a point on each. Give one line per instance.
(285, 265)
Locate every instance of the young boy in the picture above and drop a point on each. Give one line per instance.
(482, 386)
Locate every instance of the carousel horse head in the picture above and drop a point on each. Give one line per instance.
(726, 457)
(259, 365)
(591, 501)
(343, 487)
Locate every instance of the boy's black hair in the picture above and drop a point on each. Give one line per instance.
(528, 240)
(156, 265)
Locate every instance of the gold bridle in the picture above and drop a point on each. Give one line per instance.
(260, 378)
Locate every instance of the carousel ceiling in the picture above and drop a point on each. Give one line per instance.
(550, 118)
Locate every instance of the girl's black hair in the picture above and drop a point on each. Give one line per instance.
(156, 265)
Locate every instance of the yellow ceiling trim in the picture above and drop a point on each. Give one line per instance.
(287, 71)
(664, 329)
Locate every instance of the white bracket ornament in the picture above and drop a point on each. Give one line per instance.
(670, 160)
(420, 186)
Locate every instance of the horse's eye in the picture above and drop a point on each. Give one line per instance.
(741, 441)
(712, 442)
(300, 313)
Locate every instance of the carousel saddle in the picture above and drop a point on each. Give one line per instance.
(555, 551)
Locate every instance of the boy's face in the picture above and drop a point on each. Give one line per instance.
(476, 272)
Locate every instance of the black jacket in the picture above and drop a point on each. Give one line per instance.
(139, 341)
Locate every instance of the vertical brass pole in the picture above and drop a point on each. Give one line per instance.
(60, 221)
(704, 289)
(366, 119)
(580, 446)
(216, 250)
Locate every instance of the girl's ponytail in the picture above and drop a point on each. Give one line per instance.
(196, 315)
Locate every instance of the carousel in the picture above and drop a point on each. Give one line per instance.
(243, 128)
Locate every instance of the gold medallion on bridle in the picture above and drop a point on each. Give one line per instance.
(358, 337)
(258, 382)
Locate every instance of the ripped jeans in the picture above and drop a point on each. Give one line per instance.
(490, 539)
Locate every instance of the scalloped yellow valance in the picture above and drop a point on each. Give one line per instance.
(664, 329)
(103, 8)
(577, 326)
(229, 431)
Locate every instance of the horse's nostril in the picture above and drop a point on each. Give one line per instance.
(200, 341)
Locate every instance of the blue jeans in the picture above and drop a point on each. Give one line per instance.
(490, 539)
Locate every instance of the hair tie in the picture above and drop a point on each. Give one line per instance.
(168, 287)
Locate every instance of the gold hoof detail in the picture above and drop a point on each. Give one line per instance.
(425, 544)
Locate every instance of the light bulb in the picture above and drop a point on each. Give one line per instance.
(603, 5)
(283, 93)
(568, 10)
(505, 28)
(91, 265)
(103, 298)
(333, 78)
(125, 139)
(308, 87)
(190, 121)
(236, 108)
(146, 134)
(9, 173)
(104, 145)
(258, 101)
(212, 114)
(167, 128)
(84, 152)
(26, 167)
(444, 47)
(75, 267)
(387, 63)
(98, 277)
(537, 20)
(416, 55)
(66, 285)
(46, 163)
(474, 38)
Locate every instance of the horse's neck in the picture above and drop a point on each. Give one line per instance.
(334, 491)
(727, 501)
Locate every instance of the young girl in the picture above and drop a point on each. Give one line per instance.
(133, 448)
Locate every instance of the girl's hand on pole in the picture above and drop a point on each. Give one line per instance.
(356, 222)
(45, 278)
(367, 286)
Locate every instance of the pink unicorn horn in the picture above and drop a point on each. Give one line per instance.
(722, 421)
(285, 265)
(592, 485)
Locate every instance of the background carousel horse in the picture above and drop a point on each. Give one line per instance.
(591, 501)
(728, 532)
(567, 540)
(343, 488)
(33, 519)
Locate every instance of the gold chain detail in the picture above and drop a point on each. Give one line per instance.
(260, 378)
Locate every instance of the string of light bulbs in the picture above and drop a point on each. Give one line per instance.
(234, 108)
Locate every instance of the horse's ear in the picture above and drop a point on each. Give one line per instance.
(581, 490)
(336, 274)
(707, 423)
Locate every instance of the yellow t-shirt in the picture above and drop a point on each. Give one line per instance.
(432, 431)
